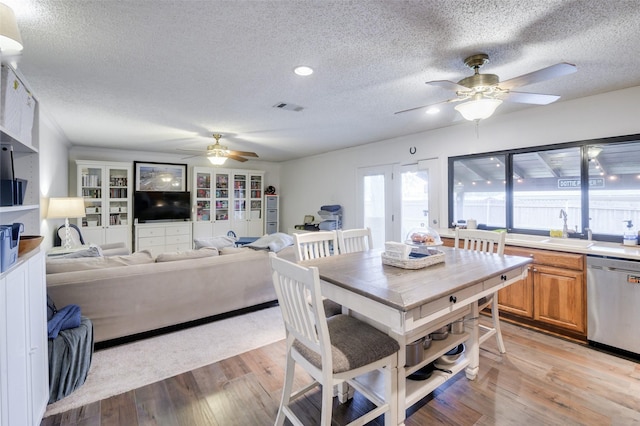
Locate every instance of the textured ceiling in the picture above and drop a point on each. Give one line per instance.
(161, 75)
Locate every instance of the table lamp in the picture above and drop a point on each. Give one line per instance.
(66, 207)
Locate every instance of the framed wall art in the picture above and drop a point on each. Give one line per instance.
(160, 176)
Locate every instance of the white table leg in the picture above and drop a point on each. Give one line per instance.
(473, 344)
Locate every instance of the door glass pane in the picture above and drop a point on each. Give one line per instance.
(546, 190)
(479, 190)
(415, 200)
(374, 207)
(614, 187)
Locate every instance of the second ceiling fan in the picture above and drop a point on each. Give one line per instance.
(218, 154)
(483, 93)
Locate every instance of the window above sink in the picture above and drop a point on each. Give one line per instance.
(595, 182)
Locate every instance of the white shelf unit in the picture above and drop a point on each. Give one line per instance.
(106, 190)
(247, 219)
(26, 165)
(24, 377)
(272, 210)
(211, 202)
(226, 200)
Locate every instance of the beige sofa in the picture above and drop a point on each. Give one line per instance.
(141, 295)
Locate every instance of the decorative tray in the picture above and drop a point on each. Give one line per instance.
(416, 260)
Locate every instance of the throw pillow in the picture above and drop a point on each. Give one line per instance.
(274, 242)
(217, 242)
(191, 254)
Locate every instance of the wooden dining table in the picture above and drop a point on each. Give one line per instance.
(409, 304)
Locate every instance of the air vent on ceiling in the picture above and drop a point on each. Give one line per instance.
(288, 107)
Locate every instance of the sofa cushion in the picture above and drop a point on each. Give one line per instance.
(58, 266)
(217, 242)
(191, 254)
(234, 250)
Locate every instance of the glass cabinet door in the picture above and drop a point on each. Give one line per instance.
(239, 196)
(118, 196)
(91, 190)
(203, 196)
(222, 197)
(256, 197)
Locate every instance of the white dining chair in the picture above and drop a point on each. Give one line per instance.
(354, 240)
(312, 245)
(333, 351)
(490, 242)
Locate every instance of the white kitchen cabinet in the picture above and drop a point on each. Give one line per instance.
(106, 190)
(24, 378)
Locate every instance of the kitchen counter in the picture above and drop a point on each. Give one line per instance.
(570, 245)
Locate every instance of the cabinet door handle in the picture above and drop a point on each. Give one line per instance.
(453, 299)
(503, 277)
(535, 270)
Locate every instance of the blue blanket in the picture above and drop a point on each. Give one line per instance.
(65, 318)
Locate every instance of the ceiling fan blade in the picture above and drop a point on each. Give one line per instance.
(529, 98)
(448, 85)
(430, 105)
(244, 153)
(237, 158)
(191, 156)
(557, 70)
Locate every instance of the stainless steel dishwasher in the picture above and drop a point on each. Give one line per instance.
(613, 303)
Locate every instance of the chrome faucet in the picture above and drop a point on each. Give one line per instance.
(589, 233)
(565, 229)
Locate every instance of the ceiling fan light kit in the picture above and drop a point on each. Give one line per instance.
(478, 109)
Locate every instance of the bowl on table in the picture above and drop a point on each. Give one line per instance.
(28, 243)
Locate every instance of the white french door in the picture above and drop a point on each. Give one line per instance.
(375, 192)
(394, 199)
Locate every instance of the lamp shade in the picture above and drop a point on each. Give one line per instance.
(66, 207)
(478, 109)
(10, 40)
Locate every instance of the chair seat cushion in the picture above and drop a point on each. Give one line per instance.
(353, 344)
(331, 308)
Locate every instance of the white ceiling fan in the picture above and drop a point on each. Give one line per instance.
(481, 94)
(218, 154)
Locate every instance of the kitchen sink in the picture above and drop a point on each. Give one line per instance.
(526, 238)
(568, 242)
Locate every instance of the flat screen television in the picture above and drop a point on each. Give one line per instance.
(161, 206)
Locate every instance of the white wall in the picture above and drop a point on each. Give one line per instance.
(330, 178)
(53, 154)
(272, 170)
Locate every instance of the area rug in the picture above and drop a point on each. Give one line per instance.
(129, 366)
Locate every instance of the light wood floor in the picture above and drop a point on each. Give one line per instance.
(542, 380)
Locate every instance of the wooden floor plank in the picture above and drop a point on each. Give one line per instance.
(540, 380)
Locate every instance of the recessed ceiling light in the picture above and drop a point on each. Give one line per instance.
(433, 110)
(303, 70)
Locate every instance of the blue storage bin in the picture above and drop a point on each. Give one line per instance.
(9, 242)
